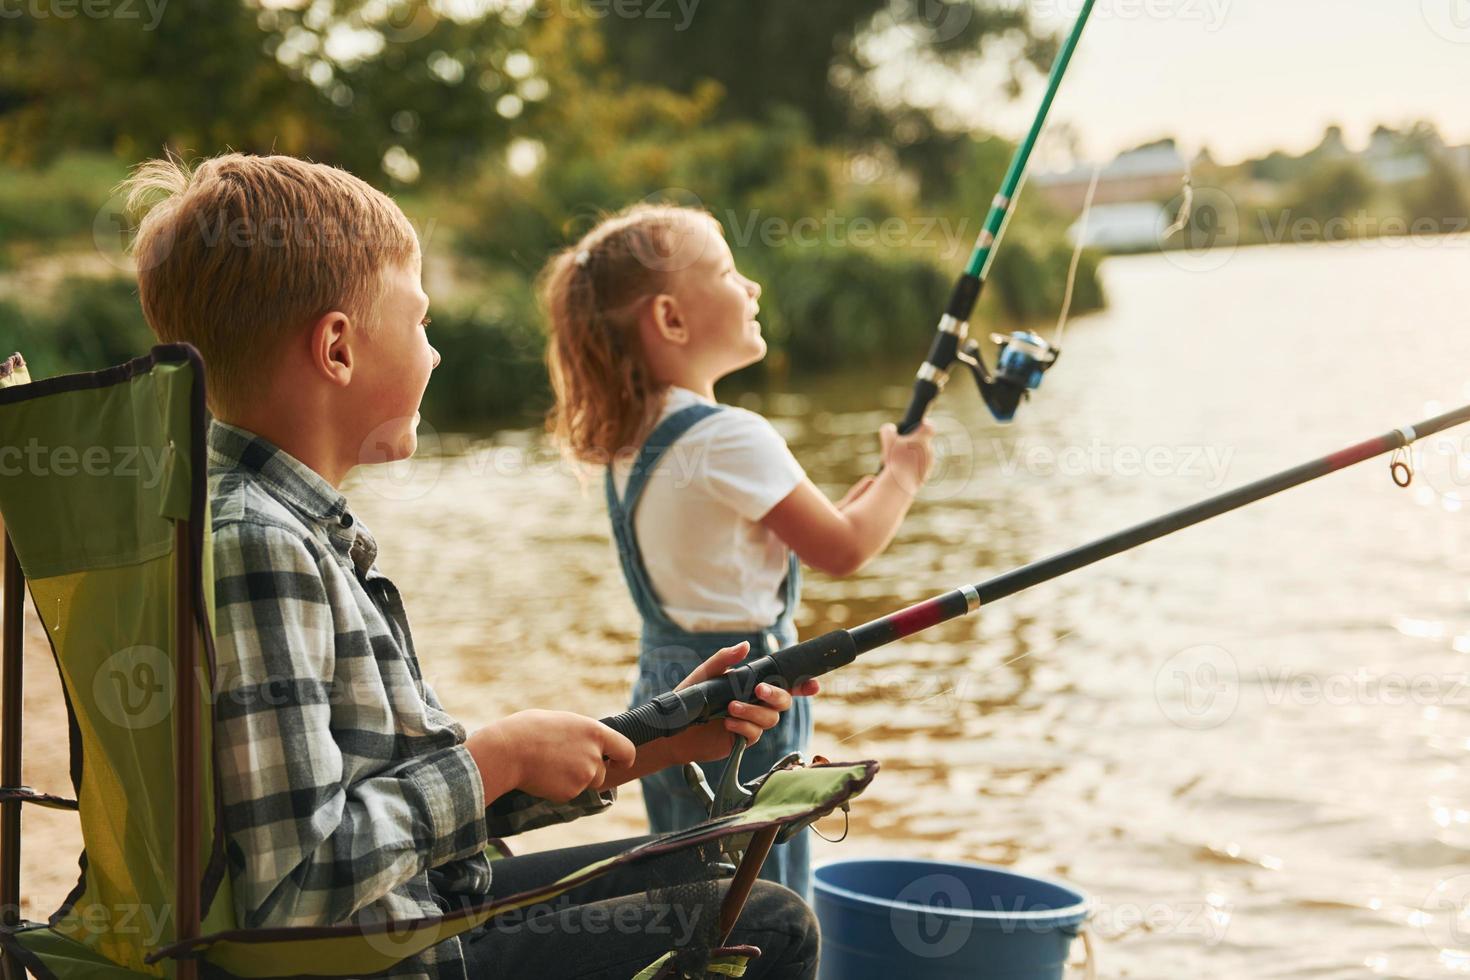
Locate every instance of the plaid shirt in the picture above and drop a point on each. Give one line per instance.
(344, 781)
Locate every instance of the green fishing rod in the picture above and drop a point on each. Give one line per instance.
(1024, 356)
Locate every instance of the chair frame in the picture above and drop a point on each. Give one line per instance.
(190, 619)
(11, 679)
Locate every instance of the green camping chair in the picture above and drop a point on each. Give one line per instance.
(103, 495)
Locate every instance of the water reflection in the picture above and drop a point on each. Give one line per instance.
(1296, 834)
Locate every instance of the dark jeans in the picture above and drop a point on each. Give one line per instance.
(611, 928)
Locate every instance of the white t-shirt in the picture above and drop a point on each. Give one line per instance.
(711, 563)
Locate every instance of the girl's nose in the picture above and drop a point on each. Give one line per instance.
(754, 288)
(437, 358)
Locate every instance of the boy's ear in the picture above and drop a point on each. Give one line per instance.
(331, 341)
(667, 320)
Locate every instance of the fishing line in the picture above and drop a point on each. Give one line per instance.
(1186, 207)
(1023, 357)
(1080, 244)
(1056, 643)
(676, 711)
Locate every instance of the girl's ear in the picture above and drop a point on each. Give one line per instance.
(668, 320)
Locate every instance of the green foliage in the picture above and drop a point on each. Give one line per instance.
(827, 308)
(1442, 195)
(1030, 277)
(193, 76)
(811, 56)
(492, 361)
(618, 149)
(1333, 191)
(759, 111)
(88, 324)
(326, 80)
(44, 205)
(852, 271)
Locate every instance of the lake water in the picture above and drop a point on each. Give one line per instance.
(1249, 742)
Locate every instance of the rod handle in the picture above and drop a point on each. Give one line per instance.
(924, 393)
(674, 712)
(942, 349)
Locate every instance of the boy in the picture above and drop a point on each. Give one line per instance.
(349, 794)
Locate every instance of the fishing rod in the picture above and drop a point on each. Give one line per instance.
(1023, 356)
(676, 711)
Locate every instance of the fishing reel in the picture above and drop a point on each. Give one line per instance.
(1022, 360)
(733, 795)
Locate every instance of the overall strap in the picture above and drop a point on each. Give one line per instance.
(621, 512)
(791, 588)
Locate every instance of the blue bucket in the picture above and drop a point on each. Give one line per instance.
(886, 918)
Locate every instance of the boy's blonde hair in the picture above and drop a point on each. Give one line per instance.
(239, 252)
(593, 294)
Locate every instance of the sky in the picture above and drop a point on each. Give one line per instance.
(1244, 77)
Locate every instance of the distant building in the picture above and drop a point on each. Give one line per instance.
(1131, 226)
(1150, 173)
(1389, 161)
(1459, 158)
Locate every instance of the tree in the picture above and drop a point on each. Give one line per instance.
(1333, 191)
(811, 56)
(1441, 195)
(387, 94)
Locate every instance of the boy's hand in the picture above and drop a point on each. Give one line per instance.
(714, 739)
(910, 458)
(555, 755)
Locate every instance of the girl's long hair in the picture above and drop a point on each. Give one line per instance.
(593, 294)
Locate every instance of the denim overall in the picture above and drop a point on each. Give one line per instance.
(668, 653)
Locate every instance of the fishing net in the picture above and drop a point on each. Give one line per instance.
(691, 892)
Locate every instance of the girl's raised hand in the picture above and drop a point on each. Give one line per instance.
(910, 457)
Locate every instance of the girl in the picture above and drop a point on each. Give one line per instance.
(711, 513)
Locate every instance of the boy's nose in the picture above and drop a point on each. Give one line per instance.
(755, 289)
